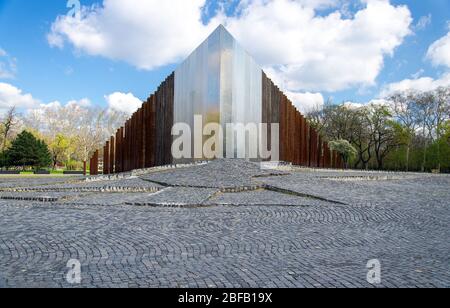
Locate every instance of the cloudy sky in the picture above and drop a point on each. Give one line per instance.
(116, 52)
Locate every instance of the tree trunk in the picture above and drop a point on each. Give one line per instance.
(425, 144)
(439, 151)
(424, 161)
(408, 153)
(380, 163)
(358, 162)
(345, 160)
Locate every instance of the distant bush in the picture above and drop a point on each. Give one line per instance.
(73, 165)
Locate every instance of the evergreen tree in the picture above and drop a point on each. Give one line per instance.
(27, 151)
(44, 156)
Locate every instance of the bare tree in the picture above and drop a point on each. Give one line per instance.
(426, 114)
(383, 133)
(439, 116)
(86, 127)
(406, 112)
(339, 122)
(8, 123)
(362, 139)
(345, 122)
(318, 116)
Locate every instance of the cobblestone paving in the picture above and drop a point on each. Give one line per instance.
(216, 174)
(177, 196)
(283, 233)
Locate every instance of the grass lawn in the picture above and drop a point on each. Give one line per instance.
(30, 174)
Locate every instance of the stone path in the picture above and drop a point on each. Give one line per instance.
(247, 228)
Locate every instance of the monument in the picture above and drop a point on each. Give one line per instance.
(223, 84)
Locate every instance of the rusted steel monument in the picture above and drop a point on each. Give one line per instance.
(223, 84)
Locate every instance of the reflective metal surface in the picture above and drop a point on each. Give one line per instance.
(221, 82)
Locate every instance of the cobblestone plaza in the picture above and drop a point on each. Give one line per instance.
(227, 223)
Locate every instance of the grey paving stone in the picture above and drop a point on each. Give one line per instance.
(103, 199)
(7, 182)
(263, 197)
(401, 219)
(122, 185)
(223, 173)
(36, 196)
(177, 196)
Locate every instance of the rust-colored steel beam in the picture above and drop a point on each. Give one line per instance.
(133, 148)
(112, 153)
(327, 155)
(128, 136)
(94, 164)
(144, 132)
(106, 158)
(340, 162)
(147, 136)
(292, 127)
(320, 153)
(297, 137)
(118, 149)
(140, 136)
(152, 136)
(334, 156)
(282, 130)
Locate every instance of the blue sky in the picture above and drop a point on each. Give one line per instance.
(72, 70)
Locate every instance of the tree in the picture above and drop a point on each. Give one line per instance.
(3, 160)
(59, 148)
(345, 150)
(318, 117)
(384, 132)
(361, 137)
(439, 117)
(335, 122)
(426, 109)
(85, 127)
(44, 158)
(8, 123)
(27, 151)
(406, 112)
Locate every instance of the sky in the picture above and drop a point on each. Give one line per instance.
(115, 53)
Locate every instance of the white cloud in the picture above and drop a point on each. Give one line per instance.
(306, 102)
(424, 22)
(308, 51)
(316, 53)
(423, 84)
(10, 96)
(83, 103)
(146, 34)
(439, 52)
(122, 102)
(352, 105)
(8, 66)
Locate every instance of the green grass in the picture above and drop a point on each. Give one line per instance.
(30, 174)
